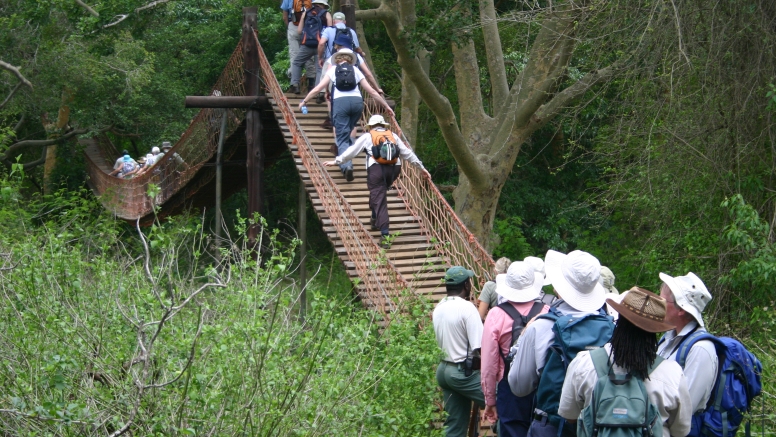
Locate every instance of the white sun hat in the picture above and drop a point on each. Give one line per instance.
(538, 266)
(575, 279)
(376, 119)
(607, 280)
(689, 292)
(517, 284)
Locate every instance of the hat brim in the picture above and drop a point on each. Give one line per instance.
(643, 322)
(516, 295)
(678, 291)
(590, 302)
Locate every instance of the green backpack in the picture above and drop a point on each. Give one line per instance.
(620, 406)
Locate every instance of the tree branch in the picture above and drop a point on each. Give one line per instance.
(37, 162)
(88, 8)
(16, 72)
(373, 14)
(13, 91)
(38, 143)
(494, 55)
(563, 98)
(151, 5)
(437, 102)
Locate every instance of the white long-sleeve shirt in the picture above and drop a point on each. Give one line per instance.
(365, 142)
(700, 367)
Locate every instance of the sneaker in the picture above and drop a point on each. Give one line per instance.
(293, 89)
(349, 175)
(320, 99)
(384, 242)
(327, 124)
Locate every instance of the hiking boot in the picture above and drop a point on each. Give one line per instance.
(385, 243)
(372, 222)
(349, 175)
(293, 89)
(327, 124)
(321, 98)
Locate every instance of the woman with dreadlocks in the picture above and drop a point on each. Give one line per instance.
(632, 350)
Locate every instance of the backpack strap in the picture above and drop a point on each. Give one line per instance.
(689, 341)
(600, 361)
(519, 320)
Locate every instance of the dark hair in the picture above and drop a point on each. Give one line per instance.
(633, 348)
(456, 289)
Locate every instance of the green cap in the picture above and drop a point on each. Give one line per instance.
(456, 275)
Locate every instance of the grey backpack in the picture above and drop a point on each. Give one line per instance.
(620, 406)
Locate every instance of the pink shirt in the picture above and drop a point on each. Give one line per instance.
(496, 338)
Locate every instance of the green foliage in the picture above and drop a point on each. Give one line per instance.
(104, 327)
(752, 238)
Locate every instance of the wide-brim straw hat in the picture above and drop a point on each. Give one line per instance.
(689, 292)
(644, 309)
(575, 279)
(517, 284)
(346, 53)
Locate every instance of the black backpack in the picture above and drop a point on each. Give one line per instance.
(313, 24)
(518, 324)
(345, 77)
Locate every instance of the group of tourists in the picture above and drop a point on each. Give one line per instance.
(336, 74)
(126, 167)
(587, 360)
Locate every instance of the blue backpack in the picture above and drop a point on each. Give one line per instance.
(313, 25)
(572, 335)
(737, 384)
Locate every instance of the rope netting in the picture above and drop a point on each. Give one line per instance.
(382, 282)
(131, 198)
(452, 240)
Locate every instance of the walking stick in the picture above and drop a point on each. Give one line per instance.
(474, 421)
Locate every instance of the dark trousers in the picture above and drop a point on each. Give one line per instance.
(514, 413)
(543, 428)
(379, 178)
(345, 113)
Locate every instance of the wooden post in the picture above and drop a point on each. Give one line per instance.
(219, 173)
(349, 9)
(255, 158)
(302, 251)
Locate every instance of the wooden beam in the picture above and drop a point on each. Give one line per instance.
(253, 102)
(255, 151)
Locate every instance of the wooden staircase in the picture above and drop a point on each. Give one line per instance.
(411, 252)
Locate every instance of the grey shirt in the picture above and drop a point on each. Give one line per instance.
(532, 348)
(489, 294)
(700, 367)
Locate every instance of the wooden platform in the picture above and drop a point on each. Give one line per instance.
(411, 251)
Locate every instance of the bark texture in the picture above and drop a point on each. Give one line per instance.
(485, 146)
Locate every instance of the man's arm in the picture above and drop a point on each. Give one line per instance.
(354, 150)
(322, 48)
(300, 26)
(701, 371)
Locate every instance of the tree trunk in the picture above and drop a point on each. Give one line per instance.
(63, 118)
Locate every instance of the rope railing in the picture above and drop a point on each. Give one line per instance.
(382, 281)
(452, 240)
(131, 198)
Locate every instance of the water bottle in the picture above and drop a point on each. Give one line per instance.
(304, 109)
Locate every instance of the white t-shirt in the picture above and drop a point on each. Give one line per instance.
(355, 92)
(456, 323)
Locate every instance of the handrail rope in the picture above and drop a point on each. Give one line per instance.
(336, 203)
(127, 198)
(475, 256)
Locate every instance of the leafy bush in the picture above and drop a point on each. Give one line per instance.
(108, 328)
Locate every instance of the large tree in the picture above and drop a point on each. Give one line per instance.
(488, 131)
